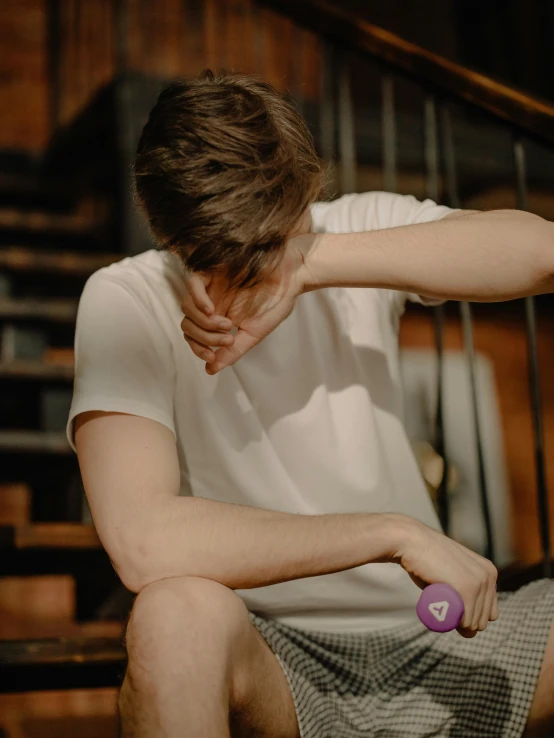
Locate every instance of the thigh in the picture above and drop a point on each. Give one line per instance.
(262, 705)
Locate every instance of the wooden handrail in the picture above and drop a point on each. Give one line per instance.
(528, 114)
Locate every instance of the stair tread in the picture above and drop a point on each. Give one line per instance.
(69, 662)
(33, 185)
(72, 649)
(34, 441)
(49, 535)
(35, 628)
(70, 263)
(55, 309)
(32, 369)
(42, 221)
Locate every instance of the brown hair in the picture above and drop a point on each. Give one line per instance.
(225, 169)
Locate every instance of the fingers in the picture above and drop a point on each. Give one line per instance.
(467, 627)
(486, 615)
(203, 352)
(494, 611)
(467, 632)
(207, 337)
(199, 308)
(196, 284)
(485, 601)
(491, 608)
(227, 356)
(201, 327)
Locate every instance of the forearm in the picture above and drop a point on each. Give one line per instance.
(244, 547)
(489, 256)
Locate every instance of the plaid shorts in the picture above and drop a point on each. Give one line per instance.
(410, 682)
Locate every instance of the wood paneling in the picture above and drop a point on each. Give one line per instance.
(166, 39)
(86, 54)
(23, 83)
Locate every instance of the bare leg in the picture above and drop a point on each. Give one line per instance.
(197, 667)
(541, 715)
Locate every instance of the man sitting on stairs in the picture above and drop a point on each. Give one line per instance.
(246, 465)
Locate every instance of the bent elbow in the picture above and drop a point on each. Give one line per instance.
(133, 558)
(141, 557)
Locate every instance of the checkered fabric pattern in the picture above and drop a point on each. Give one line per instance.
(410, 682)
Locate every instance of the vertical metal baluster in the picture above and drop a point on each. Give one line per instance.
(327, 105)
(431, 152)
(467, 329)
(534, 376)
(347, 134)
(388, 132)
(297, 81)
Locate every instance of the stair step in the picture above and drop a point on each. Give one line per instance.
(67, 263)
(83, 713)
(15, 504)
(55, 310)
(60, 548)
(27, 441)
(35, 606)
(20, 627)
(29, 369)
(49, 535)
(22, 190)
(61, 663)
(38, 221)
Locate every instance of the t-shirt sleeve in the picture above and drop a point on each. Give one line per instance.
(123, 359)
(371, 211)
(399, 210)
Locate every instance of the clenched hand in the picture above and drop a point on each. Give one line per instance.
(212, 310)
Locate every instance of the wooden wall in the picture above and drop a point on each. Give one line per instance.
(23, 74)
(165, 38)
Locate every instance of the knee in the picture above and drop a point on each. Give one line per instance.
(183, 616)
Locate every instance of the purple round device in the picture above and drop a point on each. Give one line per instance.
(440, 608)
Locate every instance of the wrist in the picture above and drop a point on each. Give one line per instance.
(400, 531)
(308, 246)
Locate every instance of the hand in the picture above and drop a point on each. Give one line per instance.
(211, 309)
(429, 557)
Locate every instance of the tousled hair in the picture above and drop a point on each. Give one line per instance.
(224, 170)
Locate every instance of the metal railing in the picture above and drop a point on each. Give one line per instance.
(442, 82)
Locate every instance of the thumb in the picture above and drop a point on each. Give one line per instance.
(224, 357)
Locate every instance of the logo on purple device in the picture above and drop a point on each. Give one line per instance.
(440, 608)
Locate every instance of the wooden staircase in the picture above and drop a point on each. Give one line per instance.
(55, 577)
(43, 568)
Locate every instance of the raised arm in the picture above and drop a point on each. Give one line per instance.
(130, 470)
(481, 256)
(467, 255)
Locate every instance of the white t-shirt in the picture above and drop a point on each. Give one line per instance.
(309, 421)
